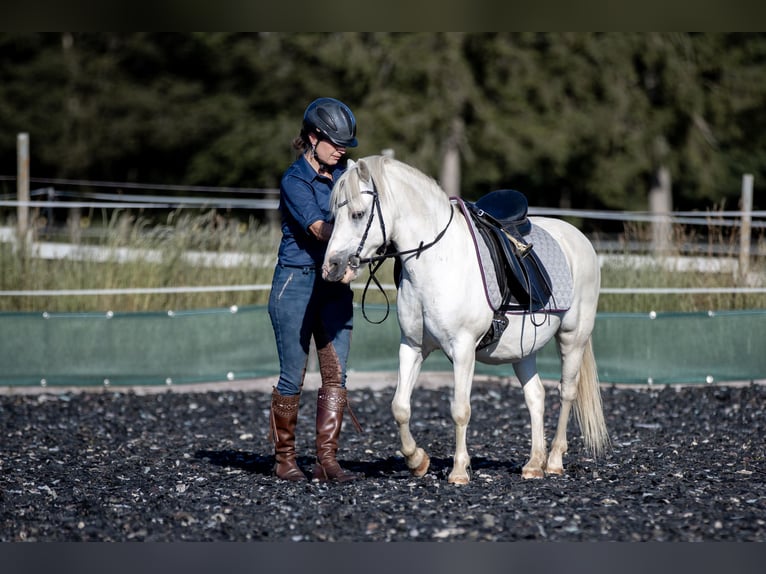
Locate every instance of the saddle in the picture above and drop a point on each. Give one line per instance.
(501, 220)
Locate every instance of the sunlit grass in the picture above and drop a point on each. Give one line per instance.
(162, 261)
(719, 247)
(165, 263)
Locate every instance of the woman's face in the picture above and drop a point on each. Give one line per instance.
(327, 152)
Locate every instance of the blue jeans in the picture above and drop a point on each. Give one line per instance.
(302, 305)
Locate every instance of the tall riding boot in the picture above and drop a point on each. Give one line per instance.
(284, 416)
(331, 402)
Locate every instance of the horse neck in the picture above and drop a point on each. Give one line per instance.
(450, 262)
(422, 211)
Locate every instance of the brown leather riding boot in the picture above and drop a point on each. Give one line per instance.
(284, 416)
(331, 402)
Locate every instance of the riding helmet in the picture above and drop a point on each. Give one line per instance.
(332, 119)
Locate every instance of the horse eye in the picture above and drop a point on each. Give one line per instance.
(357, 215)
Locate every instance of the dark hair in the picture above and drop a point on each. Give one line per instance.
(301, 142)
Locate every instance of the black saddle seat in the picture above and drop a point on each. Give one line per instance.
(508, 207)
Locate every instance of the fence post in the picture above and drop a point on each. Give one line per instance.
(661, 206)
(744, 231)
(22, 187)
(449, 177)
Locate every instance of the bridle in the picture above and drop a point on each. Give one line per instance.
(383, 252)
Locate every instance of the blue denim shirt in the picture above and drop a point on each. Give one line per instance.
(304, 197)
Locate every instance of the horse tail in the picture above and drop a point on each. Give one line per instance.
(588, 408)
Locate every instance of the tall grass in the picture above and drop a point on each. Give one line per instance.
(159, 258)
(714, 246)
(162, 259)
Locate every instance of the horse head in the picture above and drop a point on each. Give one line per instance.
(356, 236)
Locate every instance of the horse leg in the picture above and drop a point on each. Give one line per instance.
(571, 358)
(534, 396)
(410, 362)
(460, 409)
(580, 392)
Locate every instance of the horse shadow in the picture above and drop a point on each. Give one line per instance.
(392, 467)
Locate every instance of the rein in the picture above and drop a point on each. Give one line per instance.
(383, 252)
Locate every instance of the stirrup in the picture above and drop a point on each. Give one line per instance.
(522, 249)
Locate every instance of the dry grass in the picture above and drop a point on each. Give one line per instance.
(163, 262)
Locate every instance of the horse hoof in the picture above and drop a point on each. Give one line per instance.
(459, 480)
(532, 473)
(422, 469)
(554, 471)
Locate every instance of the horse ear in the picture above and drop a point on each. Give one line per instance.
(363, 170)
(350, 163)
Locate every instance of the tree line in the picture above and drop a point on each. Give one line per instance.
(583, 120)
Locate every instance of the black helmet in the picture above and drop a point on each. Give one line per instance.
(333, 119)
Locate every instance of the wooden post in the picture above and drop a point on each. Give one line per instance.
(661, 205)
(746, 208)
(22, 187)
(450, 169)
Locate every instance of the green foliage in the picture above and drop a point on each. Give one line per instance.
(572, 119)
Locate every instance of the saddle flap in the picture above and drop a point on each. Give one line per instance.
(523, 279)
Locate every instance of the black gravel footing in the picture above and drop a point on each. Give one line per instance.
(688, 464)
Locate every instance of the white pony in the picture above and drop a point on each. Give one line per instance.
(442, 304)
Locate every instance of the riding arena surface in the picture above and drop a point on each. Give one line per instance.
(688, 463)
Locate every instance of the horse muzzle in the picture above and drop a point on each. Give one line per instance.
(337, 269)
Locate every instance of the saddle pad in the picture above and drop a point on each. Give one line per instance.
(555, 263)
(550, 254)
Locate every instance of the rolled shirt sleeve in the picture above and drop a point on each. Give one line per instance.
(304, 199)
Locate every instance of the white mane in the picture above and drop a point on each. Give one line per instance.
(382, 170)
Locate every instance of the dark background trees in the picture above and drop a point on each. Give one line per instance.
(579, 119)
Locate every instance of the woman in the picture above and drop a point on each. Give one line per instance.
(302, 305)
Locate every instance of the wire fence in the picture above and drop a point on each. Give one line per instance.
(225, 198)
(50, 349)
(268, 200)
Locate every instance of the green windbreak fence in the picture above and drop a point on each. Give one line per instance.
(212, 345)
